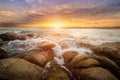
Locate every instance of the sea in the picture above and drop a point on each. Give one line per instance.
(62, 38)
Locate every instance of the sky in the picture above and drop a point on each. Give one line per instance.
(67, 13)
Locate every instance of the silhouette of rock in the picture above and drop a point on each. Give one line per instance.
(18, 69)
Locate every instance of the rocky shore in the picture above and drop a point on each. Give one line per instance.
(102, 62)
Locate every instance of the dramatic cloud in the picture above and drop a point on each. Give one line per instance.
(85, 13)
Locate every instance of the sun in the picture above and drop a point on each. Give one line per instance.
(57, 25)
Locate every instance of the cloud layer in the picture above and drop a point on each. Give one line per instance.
(89, 13)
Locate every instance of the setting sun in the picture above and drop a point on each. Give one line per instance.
(57, 25)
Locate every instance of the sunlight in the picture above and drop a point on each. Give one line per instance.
(57, 25)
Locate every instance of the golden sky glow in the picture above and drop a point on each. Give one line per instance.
(59, 13)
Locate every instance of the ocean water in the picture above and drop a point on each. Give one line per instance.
(64, 39)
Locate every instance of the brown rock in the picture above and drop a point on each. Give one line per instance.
(46, 45)
(109, 50)
(96, 73)
(8, 36)
(117, 61)
(88, 63)
(69, 55)
(21, 37)
(109, 65)
(18, 69)
(1, 41)
(77, 59)
(36, 58)
(55, 74)
(3, 54)
(25, 36)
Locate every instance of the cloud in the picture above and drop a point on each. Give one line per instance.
(6, 13)
(30, 1)
(100, 10)
(8, 24)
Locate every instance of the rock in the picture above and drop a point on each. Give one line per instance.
(55, 74)
(21, 37)
(109, 65)
(112, 44)
(117, 61)
(96, 73)
(69, 55)
(1, 41)
(109, 50)
(46, 45)
(36, 58)
(8, 36)
(77, 59)
(3, 54)
(106, 51)
(88, 63)
(19, 69)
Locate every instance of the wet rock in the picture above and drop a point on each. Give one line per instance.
(96, 73)
(3, 54)
(18, 69)
(77, 59)
(69, 55)
(112, 44)
(106, 51)
(55, 74)
(109, 50)
(117, 61)
(109, 65)
(8, 36)
(1, 41)
(21, 37)
(88, 63)
(46, 45)
(38, 57)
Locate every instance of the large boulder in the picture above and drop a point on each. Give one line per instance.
(39, 58)
(8, 36)
(19, 69)
(3, 54)
(109, 50)
(96, 73)
(77, 59)
(108, 64)
(88, 63)
(69, 55)
(55, 74)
